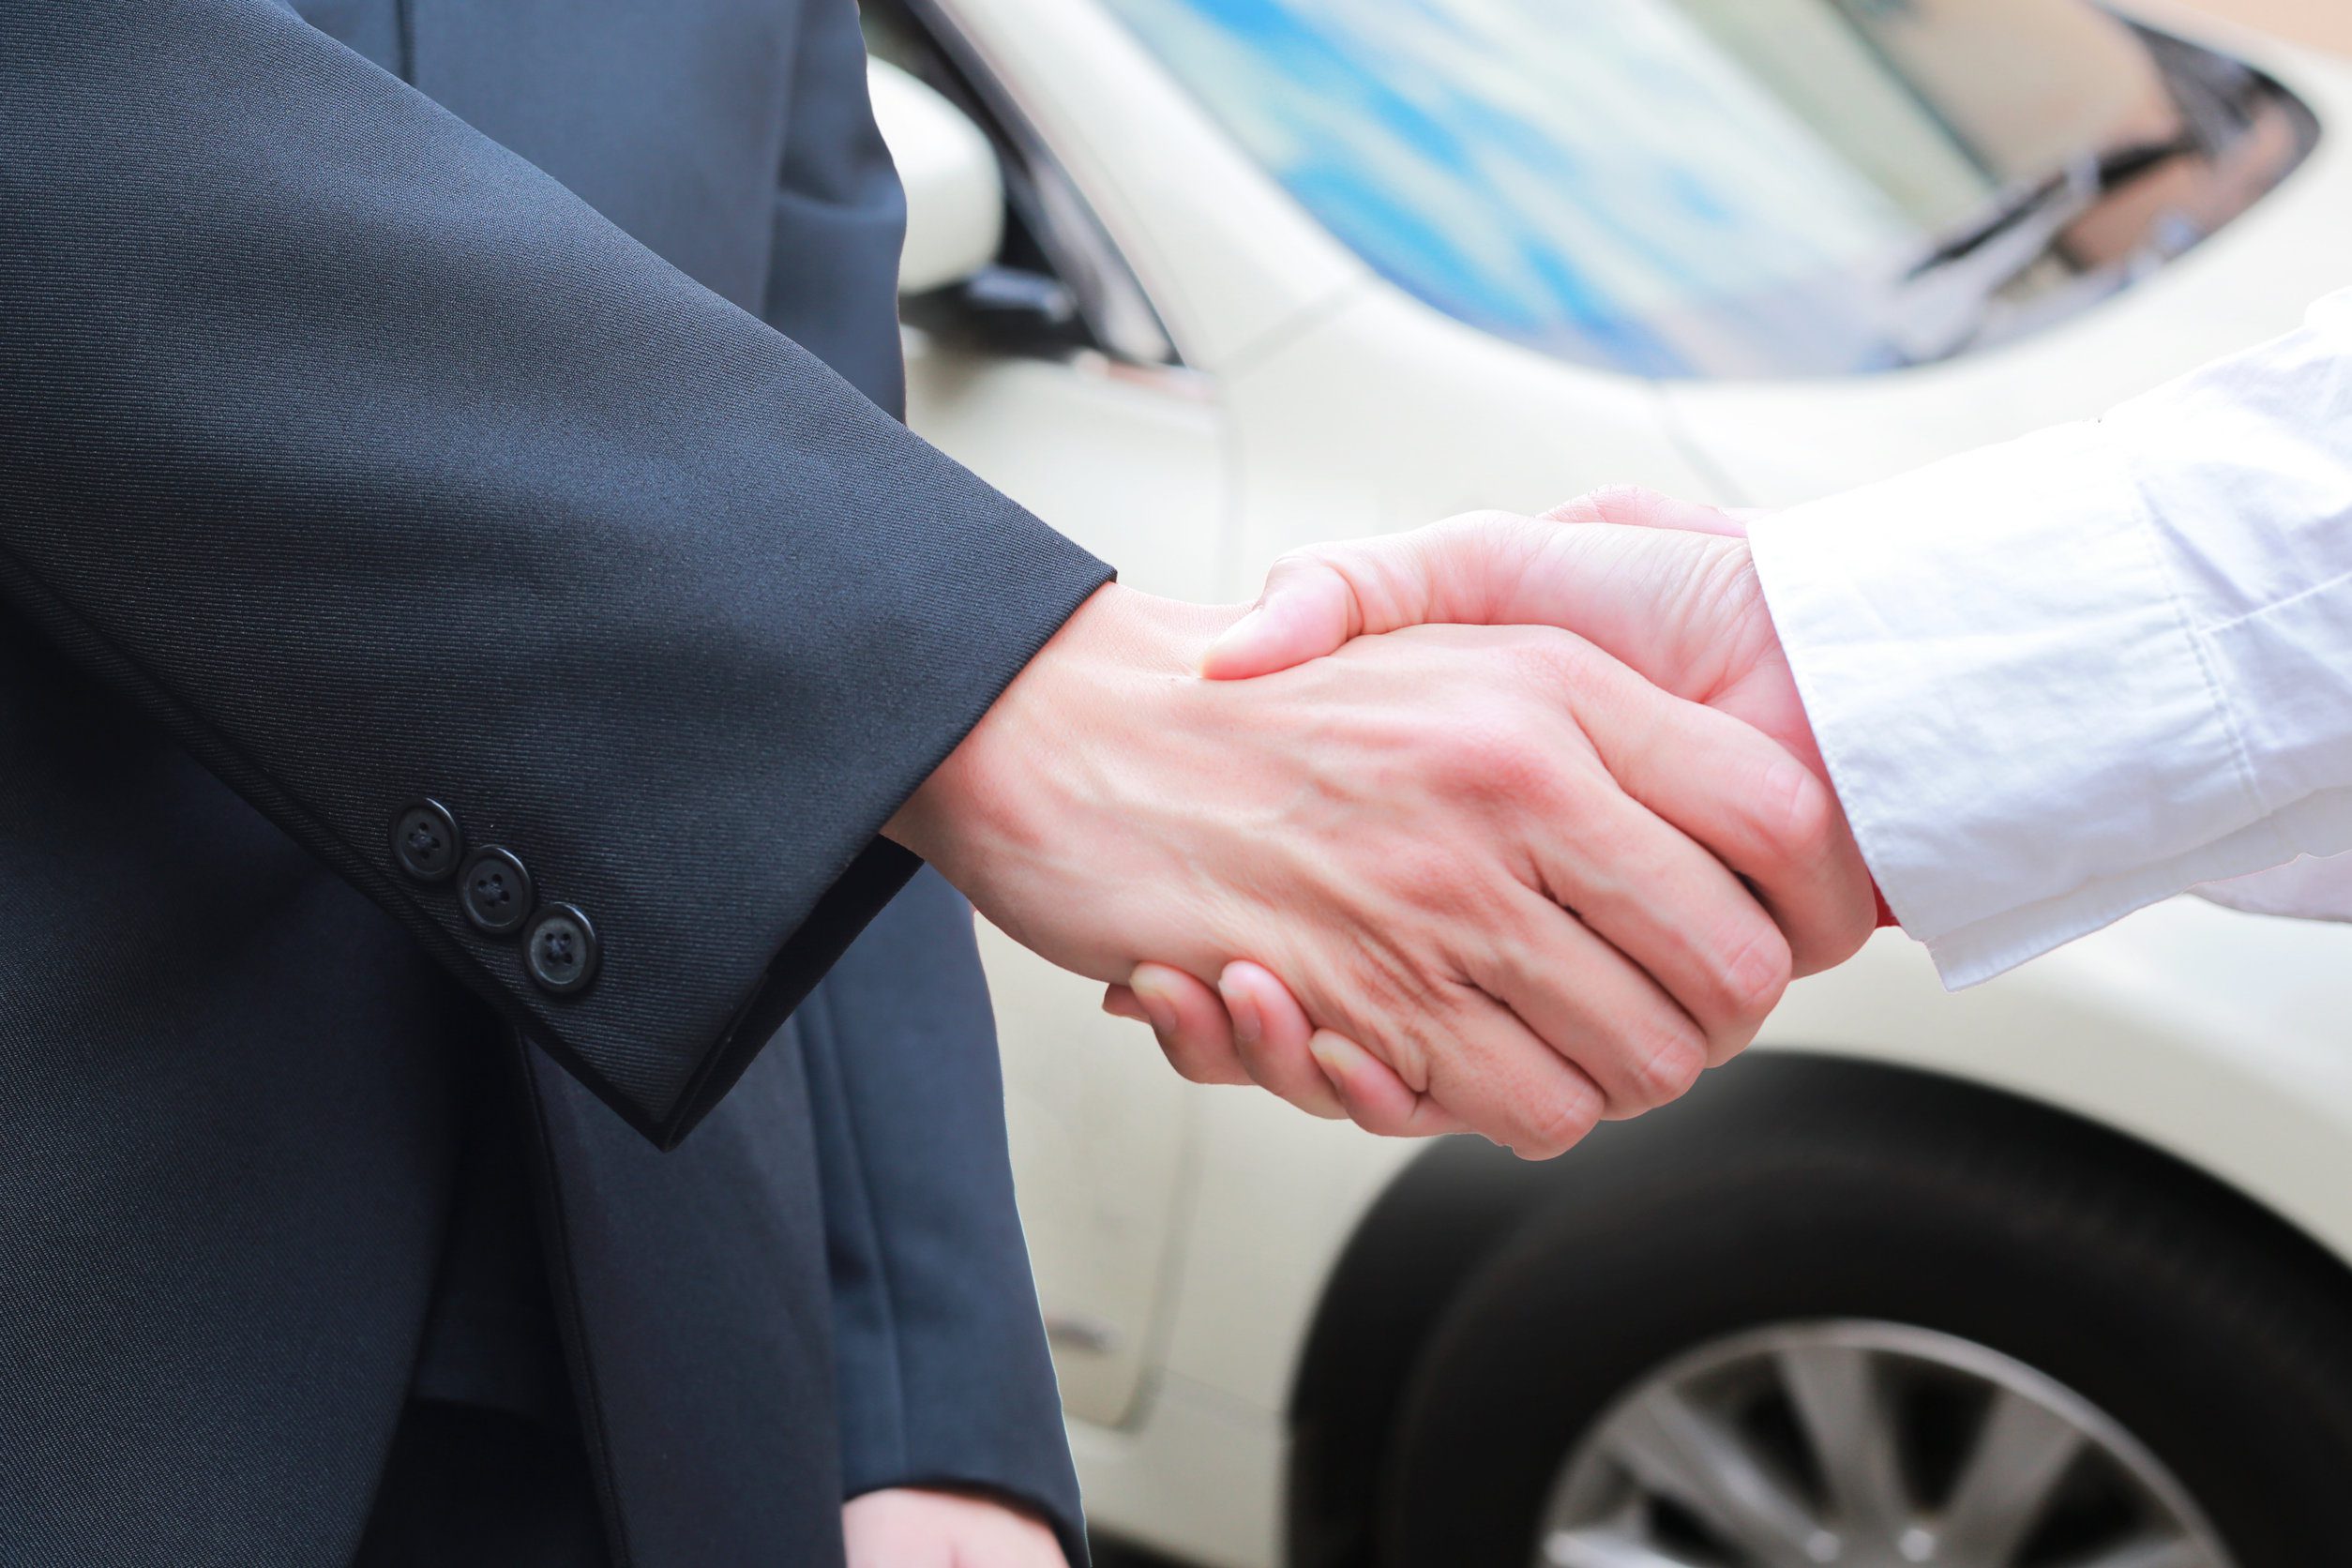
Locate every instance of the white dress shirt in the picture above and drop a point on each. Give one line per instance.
(2062, 678)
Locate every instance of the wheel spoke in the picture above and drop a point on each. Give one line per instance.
(1842, 1410)
(2022, 1452)
(1606, 1549)
(1693, 1463)
(2167, 1553)
(1678, 1451)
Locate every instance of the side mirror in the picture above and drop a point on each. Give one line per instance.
(955, 191)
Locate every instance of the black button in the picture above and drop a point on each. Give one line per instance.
(560, 949)
(494, 891)
(426, 841)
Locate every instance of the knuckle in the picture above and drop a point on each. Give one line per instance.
(1559, 1125)
(1471, 527)
(1293, 569)
(1428, 877)
(1629, 503)
(1323, 557)
(1796, 813)
(1519, 934)
(1858, 918)
(1727, 581)
(1611, 503)
(1555, 672)
(1477, 750)
(1753, 977)
(1490, 535)
(1391, 1011)
(1495, 760)
(1380, 1121)
(1671, 1066)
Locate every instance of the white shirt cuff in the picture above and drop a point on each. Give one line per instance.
(2016, 713)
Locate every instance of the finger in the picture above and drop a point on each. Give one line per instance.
(1376, 1099)
(1366, 1091)
(1700, 938)
(1309, 609)
(1632, 507)
(1749, 802)
(1504, 1080)
(1655, 590)
(1189, 1022)
(1596, 1008)
(1462, 569)
(1121, 1003)
(1271, 1034)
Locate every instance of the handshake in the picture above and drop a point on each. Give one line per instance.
(1510, 824)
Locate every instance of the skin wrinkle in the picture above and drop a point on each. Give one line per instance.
(1521, 748)
(1766, 814)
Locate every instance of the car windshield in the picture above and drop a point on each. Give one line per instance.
(1729, 188)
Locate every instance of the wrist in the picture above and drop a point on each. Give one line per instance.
(1087, 685)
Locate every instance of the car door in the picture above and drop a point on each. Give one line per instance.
(1050, 376)
(1128, 463)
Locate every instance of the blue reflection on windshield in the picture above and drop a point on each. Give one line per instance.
(1603, 181)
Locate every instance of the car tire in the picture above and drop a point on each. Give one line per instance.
(2217, 1338)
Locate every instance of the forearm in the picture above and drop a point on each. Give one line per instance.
(2059, 679)
(377, 466)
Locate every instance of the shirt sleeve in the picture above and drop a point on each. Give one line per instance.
(2306, 888)
(2063, 678)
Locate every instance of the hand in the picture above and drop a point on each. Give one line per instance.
(908, 1527)
(1395, 830)
(1664, 585)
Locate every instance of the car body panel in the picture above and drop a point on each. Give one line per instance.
(1103, 1129)
(1183, 1236)
(1230, 261)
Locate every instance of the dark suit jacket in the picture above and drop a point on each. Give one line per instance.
(360, 444)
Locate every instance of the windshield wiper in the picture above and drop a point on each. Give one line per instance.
(1941, 301)
(2065, 195)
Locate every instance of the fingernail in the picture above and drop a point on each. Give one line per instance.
(1241, 1008)
(1326, 1056)
(1122, 1006)
(1158, 1008)
(1231, 636)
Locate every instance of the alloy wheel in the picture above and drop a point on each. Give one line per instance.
(1851, 1444)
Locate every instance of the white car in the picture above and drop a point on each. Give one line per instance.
(2046, 1275)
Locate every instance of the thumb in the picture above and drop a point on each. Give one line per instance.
(1316, 600)
(1657, 584)
(1632, 507)
(1308, 610)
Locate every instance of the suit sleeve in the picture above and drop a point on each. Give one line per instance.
(377, 468)
(940, 1354)
(2062, 678)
